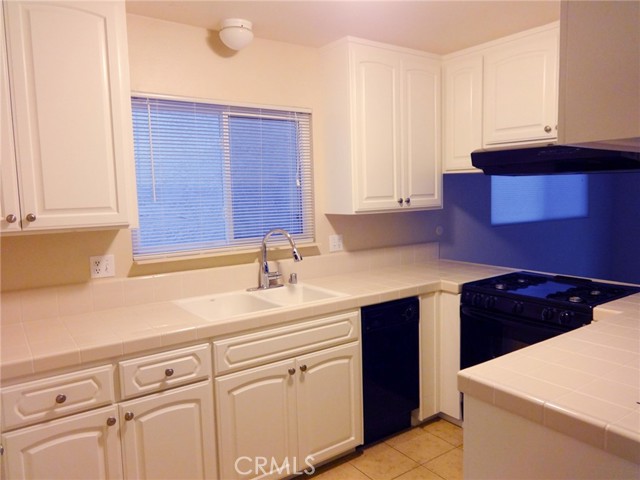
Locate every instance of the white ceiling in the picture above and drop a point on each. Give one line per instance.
(435, 26)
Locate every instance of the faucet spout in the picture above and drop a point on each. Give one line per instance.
(265, 275)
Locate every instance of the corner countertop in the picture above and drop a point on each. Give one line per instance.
(584, 383)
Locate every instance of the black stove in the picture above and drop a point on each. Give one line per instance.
(552, 299)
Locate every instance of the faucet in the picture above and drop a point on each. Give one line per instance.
(265, 275)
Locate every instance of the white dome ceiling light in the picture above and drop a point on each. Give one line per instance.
(236, 33)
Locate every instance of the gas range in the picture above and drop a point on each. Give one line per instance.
(552, 299)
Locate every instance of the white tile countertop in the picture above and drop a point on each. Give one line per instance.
(584, 383)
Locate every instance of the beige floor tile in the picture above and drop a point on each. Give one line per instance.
(424, 447)
(404, 436)
(419, 473)
(382, 462)
(344, 471)
(447, 431)
(448, 466)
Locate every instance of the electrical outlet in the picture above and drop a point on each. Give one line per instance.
(335, 243)
(102, 266)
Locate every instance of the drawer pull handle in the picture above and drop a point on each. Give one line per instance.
(303, 368)
(292, 371)
(168, 372)
(128, 416)
(61, 398)
(111, 421)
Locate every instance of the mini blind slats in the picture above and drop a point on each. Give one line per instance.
(214, 177)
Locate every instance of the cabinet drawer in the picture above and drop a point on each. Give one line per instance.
(283, 342)
(158, 372)
(54, 397)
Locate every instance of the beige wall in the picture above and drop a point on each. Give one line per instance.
(174, 59)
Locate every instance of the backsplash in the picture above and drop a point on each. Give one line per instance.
(96, 295)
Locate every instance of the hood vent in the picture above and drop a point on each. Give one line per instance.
(612, 156)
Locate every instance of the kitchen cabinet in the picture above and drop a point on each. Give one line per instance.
(449, 327)
(282, 417)
(383, 128)
(169, 434)
(500, 93)
(67, 105)
(429, 354)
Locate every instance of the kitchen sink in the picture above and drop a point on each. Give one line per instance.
(219, 307)
(226, 305)
(296, 294)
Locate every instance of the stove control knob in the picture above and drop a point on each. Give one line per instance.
(476, 301)
(489, 302)
(547, 314)
(565, 317)
(518, 307)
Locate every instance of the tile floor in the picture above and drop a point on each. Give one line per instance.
(432, 451)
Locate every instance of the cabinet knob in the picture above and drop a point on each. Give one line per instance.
(169, 372)
(400, 201)
(407, 200)
(31, 217)
(547, 129)
(111, 421)
(292, 371)
(11, 218)
(61, 398)
(128, 416)
(303, 368)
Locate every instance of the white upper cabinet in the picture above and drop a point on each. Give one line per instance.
(383, 128)
(70, 106)
(500, 93)
(521, 89)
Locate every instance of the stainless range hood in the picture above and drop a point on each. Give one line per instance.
(599, 104)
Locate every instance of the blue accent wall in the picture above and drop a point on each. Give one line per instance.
(605, 244)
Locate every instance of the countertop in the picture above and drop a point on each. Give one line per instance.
(585, 383)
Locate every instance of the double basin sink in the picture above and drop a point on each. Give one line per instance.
(225, 305)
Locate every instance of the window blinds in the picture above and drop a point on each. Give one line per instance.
(215, 177)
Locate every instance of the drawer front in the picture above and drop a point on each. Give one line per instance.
(158, 372)
(263, 347)
(54, 397)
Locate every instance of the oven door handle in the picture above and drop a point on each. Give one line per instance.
(508, 319)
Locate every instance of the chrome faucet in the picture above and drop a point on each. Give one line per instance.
(265, 275)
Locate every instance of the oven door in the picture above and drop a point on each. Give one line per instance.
(486, 335)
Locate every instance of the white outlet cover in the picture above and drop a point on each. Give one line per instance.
(102, 266)
(335, 243)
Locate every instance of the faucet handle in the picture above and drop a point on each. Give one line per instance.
(274, 278)
(293, 278)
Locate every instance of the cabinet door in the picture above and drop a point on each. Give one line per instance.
(170, 434)
(521, 89)
(329, 403)
(377, 143)
(256, 418)
(422, 176)
(80, 446)
(449, 354)
(462, 111)
(70, 89)
(9, 200)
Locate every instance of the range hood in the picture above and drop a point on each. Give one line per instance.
(599, 97)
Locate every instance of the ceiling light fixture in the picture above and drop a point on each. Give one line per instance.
(236, 33)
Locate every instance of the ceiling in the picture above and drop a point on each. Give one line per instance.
(434, 26)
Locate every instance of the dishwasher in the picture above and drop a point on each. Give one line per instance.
(390, 366)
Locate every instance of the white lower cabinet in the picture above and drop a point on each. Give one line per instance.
(449, 327)
(281, 418)
(169, 434)
(85, 445)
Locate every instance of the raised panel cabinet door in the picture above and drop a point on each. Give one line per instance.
(82, 446)
(422, 172)
(256, 421)
(377, 142)
(70, 88)
(521, 89)
(462, 111)
(9, 199)
(170, 435)
(329, 403)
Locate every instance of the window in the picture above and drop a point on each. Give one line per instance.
(215, 177)
(537, 198)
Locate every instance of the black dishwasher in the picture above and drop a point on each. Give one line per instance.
(390, 366)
